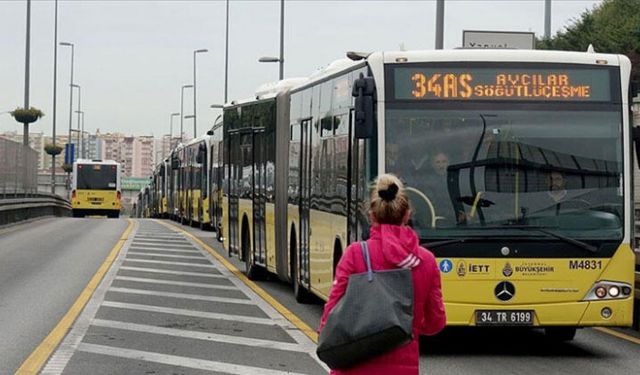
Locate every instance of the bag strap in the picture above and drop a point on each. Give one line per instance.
(367, 260)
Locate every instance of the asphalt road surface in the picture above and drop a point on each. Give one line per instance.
(167, 306)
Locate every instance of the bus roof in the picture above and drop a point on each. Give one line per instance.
(502, 55)
(101, 162)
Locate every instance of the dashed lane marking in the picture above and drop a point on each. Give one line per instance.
(172, 360)
(172, 263)
(149, 250)
(158, 253)
(39, 356)
(196, 297)
(290, 316)
(205, 336)
(191, 313)
(176, 283)
(170, 272)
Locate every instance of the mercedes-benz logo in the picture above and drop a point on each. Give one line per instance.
(504, 291)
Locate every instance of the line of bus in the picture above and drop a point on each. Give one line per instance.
(518, 164)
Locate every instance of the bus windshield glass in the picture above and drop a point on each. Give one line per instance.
(494, 169)
(97, 177)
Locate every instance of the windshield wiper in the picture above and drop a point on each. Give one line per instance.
(559, 236)
(431, 245)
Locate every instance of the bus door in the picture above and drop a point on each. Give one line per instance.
(235, 184)
(356, 177)
(305, 198)
(259, 196)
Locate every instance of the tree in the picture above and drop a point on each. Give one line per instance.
(611, 27)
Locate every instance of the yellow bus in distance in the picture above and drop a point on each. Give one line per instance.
(96, 188)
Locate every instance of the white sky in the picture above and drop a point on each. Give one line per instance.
(132, 57)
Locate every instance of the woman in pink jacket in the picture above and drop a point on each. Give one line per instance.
(393, 244)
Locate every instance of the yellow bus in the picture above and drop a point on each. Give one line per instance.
(518, 164)
(194, 198)
(96, 188)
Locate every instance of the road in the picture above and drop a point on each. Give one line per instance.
(168, 305)
(44, 266)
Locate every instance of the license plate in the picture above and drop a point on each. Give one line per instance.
(504, 317)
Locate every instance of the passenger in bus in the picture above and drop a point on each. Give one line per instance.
(393, 244)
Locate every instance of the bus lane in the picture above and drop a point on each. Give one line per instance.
(169, 306)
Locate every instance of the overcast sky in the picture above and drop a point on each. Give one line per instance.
(132, 57)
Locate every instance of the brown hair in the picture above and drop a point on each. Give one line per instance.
(389, 203)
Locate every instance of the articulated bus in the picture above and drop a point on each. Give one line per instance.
(518, 165)
(96, 188)
(160, 186)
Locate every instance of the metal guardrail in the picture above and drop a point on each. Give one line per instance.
(18, 169)
(28, 206)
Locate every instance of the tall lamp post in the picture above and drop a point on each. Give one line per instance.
(27, 57)
(81, 132)
(80, 148)
(182, 109)
(195, 53)
(280, 59)
(226, 54)
(55, 91)
(171, 130)
(67, 44)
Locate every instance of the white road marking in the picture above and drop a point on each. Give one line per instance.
(199, 335)
(173, 360)
(170, 272)
(163, 249)
(152, 253)
(172, 263)
(176, 283)
(196, 297)
(192, 313)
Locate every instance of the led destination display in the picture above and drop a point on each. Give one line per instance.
(592, 85)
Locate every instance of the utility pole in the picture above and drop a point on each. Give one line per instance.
(547, 19)
(439, 24)
(25, 138)
(55, 89)
(226, 56)
(281, 39)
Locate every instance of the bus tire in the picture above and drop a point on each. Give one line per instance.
(560, 334)
(300, 293)
(252, 270)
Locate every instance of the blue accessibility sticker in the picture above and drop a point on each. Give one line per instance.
(446, 266)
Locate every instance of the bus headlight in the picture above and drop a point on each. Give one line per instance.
(603, 290)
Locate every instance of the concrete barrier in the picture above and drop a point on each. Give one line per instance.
(19, 207)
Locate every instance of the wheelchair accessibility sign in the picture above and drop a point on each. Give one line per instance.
(446, 266)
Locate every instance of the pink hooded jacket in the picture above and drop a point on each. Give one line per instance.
(392, 246)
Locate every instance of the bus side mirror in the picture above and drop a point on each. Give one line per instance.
(363, 91)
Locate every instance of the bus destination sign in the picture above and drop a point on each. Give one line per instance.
(591, 85)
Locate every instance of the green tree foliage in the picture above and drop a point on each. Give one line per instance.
(611, 27)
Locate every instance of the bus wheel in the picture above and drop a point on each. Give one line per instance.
(253, 271)
(560, 333)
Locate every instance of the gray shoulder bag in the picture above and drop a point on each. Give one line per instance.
(374, 316)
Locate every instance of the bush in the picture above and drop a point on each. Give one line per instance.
(67, 168)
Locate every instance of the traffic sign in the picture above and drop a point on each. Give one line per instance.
(69, 153)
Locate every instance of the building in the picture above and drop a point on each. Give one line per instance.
(136, 154)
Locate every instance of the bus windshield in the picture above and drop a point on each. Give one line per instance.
(97, 177)
(493, 172)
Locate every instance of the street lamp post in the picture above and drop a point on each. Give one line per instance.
(81, 132)
(182, 109)
(280, 59)
(55, 92)
(67, 44)
(80, 148)
(27, 57)
(171, 130)
(195, 133)
(226, 54)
